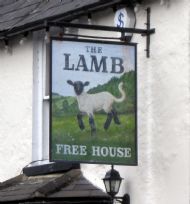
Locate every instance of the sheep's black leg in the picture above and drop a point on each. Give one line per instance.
(80, 121)
(92, 125)
(115, 117)
(108, 120)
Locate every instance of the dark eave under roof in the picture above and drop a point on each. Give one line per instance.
(28, 15)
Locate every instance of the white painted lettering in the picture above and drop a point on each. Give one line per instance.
(127, 152)
(59, 148)
(75, 149)
(83, 151)
(95, 151)
(67, 149)
(104, 151)
(112, 151)
(120, 152)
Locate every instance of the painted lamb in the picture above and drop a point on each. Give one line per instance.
(91, 103)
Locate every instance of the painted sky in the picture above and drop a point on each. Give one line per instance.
(60, 76)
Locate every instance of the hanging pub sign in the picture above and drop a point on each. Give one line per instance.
(93, 102)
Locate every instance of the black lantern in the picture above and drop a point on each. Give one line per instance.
(112, 182)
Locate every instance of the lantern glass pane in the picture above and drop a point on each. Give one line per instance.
(113, 184)
(107, 185)
(117, 185)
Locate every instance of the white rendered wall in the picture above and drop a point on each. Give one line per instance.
(162, 175)
(15, 108)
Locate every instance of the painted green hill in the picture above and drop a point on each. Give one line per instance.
(68, 105)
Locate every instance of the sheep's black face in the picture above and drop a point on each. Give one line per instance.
(78, 87)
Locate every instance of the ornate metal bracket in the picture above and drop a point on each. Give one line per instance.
(144, 32)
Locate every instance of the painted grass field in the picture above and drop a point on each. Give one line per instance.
(65, 130)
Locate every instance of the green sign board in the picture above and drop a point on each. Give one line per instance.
(93, 102)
